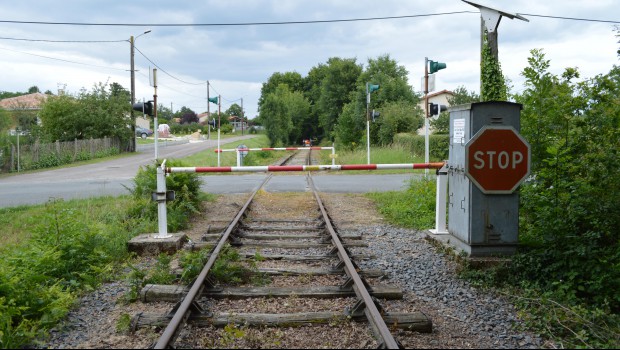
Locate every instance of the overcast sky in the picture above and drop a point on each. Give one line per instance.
(193, 42)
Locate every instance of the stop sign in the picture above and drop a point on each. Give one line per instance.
(497, 159)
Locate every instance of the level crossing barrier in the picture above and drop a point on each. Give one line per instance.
(440, 207)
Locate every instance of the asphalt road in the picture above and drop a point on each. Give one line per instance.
(115, 177)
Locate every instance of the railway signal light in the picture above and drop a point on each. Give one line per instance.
(435, 109)
(435, 66)
(145, 108)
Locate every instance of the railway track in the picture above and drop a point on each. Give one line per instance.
(302, 281)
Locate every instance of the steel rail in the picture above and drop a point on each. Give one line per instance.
(171, 331)
(372, 313)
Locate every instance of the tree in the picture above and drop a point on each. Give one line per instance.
(571, 207)
(235, 110)
(5, 120)
(392, 79)
(282, 112)
(164, 114)
(293, 80)
(95, 114)
(340, 78)
(33, 89)
(396, 117)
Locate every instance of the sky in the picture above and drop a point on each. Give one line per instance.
(236, 45)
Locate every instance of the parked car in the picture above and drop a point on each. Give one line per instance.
(143, 132)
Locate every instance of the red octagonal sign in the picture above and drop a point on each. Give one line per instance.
(497, 159)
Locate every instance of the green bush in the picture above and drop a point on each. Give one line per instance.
(439, 145)
(188, 193)
(71, 249)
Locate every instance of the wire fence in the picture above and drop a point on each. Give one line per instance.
(20, 157)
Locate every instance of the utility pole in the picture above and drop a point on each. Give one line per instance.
(208, 113)
(132, 146)
(133, 88)
(155, 113)
(219, 111)
(426, 121)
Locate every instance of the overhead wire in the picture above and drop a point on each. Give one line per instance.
(229, 24)
(287, 22)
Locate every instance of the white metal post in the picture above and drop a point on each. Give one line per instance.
(368, 139)
(333, 154)
(162, 213)
(238, 158)
(218, 147)
(440, 201)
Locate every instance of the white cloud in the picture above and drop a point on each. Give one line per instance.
(238, 59)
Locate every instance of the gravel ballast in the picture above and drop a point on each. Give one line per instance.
(462, 316)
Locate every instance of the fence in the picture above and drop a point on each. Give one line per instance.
(20, 157)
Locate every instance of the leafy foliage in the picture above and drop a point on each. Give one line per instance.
(187, 191)
(283, 111)
(72, 248)
(568, 265)
(493, 84)
(96, 114)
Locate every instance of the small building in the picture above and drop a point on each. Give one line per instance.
(238, 123)
(29, 104)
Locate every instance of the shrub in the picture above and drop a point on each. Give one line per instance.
(187, 192)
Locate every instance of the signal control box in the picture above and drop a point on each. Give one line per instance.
(481, 224)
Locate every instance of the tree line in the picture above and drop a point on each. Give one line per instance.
(330, 103)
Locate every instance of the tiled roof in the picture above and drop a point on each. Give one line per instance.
(30, 101)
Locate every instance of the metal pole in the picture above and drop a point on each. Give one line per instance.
(133, 88)
(18, 166)
(132, 145)
(426, 123)
(440, 201)
(208, 113)
(242, 118)
(162, 213)
(367, 124)
(155, 113)
(219, 110)
(333, 154)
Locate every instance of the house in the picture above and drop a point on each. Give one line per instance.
(29, 104)
(203, 118)
(441, 98)
(238, 123)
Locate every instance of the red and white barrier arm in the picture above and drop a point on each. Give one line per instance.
(274, 149)
(274, 168)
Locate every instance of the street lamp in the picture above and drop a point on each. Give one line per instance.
(132, 40)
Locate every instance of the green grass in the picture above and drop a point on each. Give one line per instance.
(378, 155)
(53, 252)
(209, 157)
